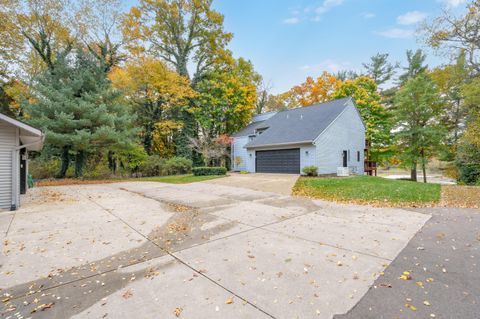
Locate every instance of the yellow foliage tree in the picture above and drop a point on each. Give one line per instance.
(312, 91)
(162, 139)
(227, 97)
(158, 94)
(364, 91)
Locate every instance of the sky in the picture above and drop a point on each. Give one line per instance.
(288, 40)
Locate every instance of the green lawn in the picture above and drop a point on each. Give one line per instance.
(369, 190)
(178, 179)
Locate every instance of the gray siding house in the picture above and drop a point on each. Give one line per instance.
(16, 139)
(327, 135)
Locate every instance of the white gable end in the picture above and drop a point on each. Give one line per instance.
(346, 133)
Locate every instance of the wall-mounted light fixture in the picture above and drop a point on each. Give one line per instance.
(306, 152)
(250, 154)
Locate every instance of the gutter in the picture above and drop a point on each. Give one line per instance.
(279, 144)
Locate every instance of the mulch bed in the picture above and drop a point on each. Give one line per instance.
(72, 181)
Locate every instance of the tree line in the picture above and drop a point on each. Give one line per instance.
(117, 88)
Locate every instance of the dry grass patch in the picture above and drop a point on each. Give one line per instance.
(461, 196)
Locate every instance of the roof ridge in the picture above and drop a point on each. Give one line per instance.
(317, 104)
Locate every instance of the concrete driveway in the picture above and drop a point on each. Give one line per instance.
(276, 183)
(151, 250)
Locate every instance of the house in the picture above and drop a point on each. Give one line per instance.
(16, 139)
(327, 135)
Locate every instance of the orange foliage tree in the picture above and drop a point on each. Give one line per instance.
(312, 91)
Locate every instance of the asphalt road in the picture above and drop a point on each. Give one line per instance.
(443, 279)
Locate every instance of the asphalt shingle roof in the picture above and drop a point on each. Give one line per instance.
(249, 129)
(300, 125)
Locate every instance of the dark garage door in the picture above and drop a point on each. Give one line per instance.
(278, 161)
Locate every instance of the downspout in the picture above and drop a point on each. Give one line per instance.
(15, 150)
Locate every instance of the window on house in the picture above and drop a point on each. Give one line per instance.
(261, 130)
(358, 156)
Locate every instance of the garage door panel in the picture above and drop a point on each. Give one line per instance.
(278, 161)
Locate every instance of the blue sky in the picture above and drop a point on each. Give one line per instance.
(288, 40)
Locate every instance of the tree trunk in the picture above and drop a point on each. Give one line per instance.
(413, 172)
(182, 139)
(79, 163)
(424, 169)
(65, 162)
(112, 163)
(148, 138)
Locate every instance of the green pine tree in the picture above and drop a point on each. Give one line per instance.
(417, 108)
(80, 112)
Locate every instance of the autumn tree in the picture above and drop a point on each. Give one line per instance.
(13, 95)
(450, 80)
(451, 32)
(364, 92)
(158, 95)
(418, 132)
(380, 69)
(97, 26)
(226, 98)
(468, 152)
(38, 26)
(312, 91)
(263, 95)
(183, 33)
(212, 149)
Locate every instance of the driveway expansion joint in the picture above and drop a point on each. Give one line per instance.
(200, 273)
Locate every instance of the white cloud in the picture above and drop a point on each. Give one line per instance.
(329, 65)
(412, 17)
(452, 3)
(311, 13)
(327, 5)
(397, 33)
(293, 20)
(368, 15)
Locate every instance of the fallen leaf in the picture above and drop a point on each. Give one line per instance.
(406, 276)
(426, 303)
(229, 301)
(127, 294)
(42, 307)
(177, 312)
(411, 307)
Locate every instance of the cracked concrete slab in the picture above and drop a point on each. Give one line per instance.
(111, 249)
